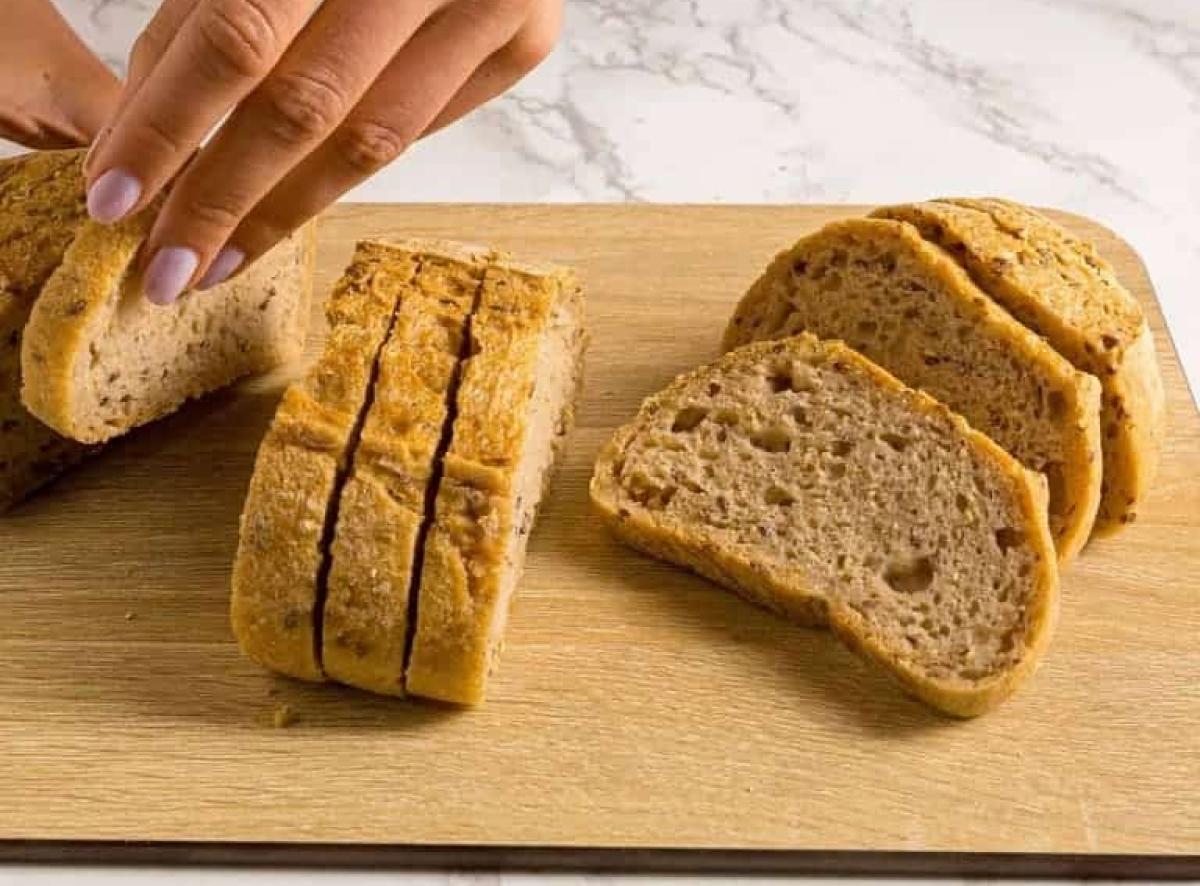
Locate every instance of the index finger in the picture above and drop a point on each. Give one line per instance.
(223, 50)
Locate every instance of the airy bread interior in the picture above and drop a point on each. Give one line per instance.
(809, 480)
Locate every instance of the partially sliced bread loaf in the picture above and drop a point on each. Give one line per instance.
(907, 305)
(1060, 287)
(512, 412)
(385, 501)
(806, 478)
(41, 208)
(301, 464)
(98, 359)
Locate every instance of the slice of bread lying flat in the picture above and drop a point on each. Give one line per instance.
(512, 413)
(41, 208)
(907, 305)
(282, 547)
(1061, 288)
(804, 477)
(98, 359)
(384, 503)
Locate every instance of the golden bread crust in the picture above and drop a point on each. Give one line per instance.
(383, 503)
(470, 561)
(283, 526)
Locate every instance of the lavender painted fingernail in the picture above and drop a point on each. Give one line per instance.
(112, 195)
(228, 260)
(168, 274)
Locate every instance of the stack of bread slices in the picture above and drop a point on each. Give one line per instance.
(85, 358)
(920, 417)
(386, 523)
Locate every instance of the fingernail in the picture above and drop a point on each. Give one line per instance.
(228, 260)
(112, 196)
(168, 273)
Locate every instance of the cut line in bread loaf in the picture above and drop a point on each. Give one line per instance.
(283, 544)
(1061, 288)
(385, 502)
(907, 305)
(41, 209)
(512, 412)
(809, 480)
(98, 359)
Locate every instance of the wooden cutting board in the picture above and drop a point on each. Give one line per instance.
(636, 707)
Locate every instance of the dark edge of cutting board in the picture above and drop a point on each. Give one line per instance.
(641, 861)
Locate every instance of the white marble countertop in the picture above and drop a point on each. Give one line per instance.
(1086, 105)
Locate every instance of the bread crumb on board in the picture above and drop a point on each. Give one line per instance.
(130, 615)
(283, 717)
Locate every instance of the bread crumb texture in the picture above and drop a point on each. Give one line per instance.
(806, 478)
(1061, 288)
(905, 304)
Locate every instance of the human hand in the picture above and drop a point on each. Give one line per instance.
(316, 105)
(54, 93)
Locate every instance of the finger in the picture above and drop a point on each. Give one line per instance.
(82, 90)
(224, 49)
(149, 47)
(315, 85)
(506, 67)
(89, 98)
(39, 134)
(154, 40)
(400, 106)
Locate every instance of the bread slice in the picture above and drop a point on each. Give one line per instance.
(512, 413)
(98, 359)
(907, 305)
(301, 463)
(1060, 287)
(809, 480)
(41, 208)
(384, 503)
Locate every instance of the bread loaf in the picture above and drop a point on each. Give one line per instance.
(804, 477)
(403, 475)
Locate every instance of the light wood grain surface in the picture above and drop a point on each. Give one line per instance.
(635, 706)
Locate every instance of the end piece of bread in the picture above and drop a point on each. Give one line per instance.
(907, 305)
(384, 502)
(806, 478)
(282, 545)
(98, 359)
(41, 209)
(1060, 287)
(513, 410)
